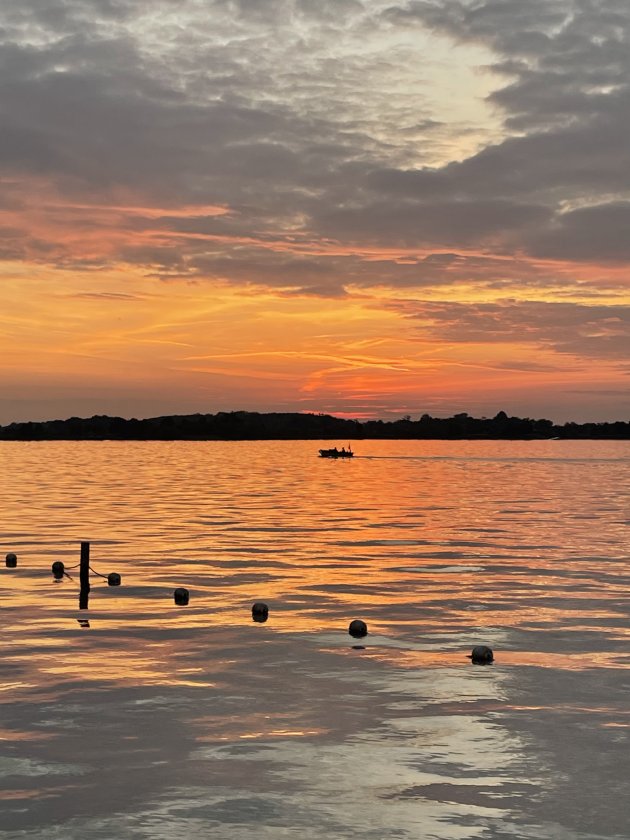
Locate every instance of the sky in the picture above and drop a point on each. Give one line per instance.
(368, 208)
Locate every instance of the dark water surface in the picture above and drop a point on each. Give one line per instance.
(157, 721)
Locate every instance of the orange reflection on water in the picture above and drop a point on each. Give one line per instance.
(420, 538)
(17, 735)
(255, 726)
(9, 795)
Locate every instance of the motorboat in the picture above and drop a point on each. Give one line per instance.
(336, 453)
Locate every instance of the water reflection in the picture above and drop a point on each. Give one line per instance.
(209, 719)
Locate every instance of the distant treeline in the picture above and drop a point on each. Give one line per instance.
(250, 425)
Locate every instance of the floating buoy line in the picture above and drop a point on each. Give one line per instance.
(480, 655)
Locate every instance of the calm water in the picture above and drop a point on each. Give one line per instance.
(157, 721)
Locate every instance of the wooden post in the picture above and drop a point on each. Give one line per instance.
(84, 576)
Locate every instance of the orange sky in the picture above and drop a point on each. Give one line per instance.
(244, 228)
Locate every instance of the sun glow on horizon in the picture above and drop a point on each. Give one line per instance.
(209, 347)
(189, 222)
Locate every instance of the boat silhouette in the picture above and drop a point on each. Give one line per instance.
(336, 453)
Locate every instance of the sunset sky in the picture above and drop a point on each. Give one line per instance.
(368, 208)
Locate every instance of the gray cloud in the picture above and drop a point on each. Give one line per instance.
(448, 224)
(203, 99)
(589, 233)
(303, 119)
(601, 332)
(518, 365)
(567, 96)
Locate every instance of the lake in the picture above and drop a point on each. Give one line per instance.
(140, 719)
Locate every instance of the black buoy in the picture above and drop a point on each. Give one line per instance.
(358, 629)
(181, 596)
(58, 570)
(11, 560)
(260, 612)
(481, 655)
(113, 579)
